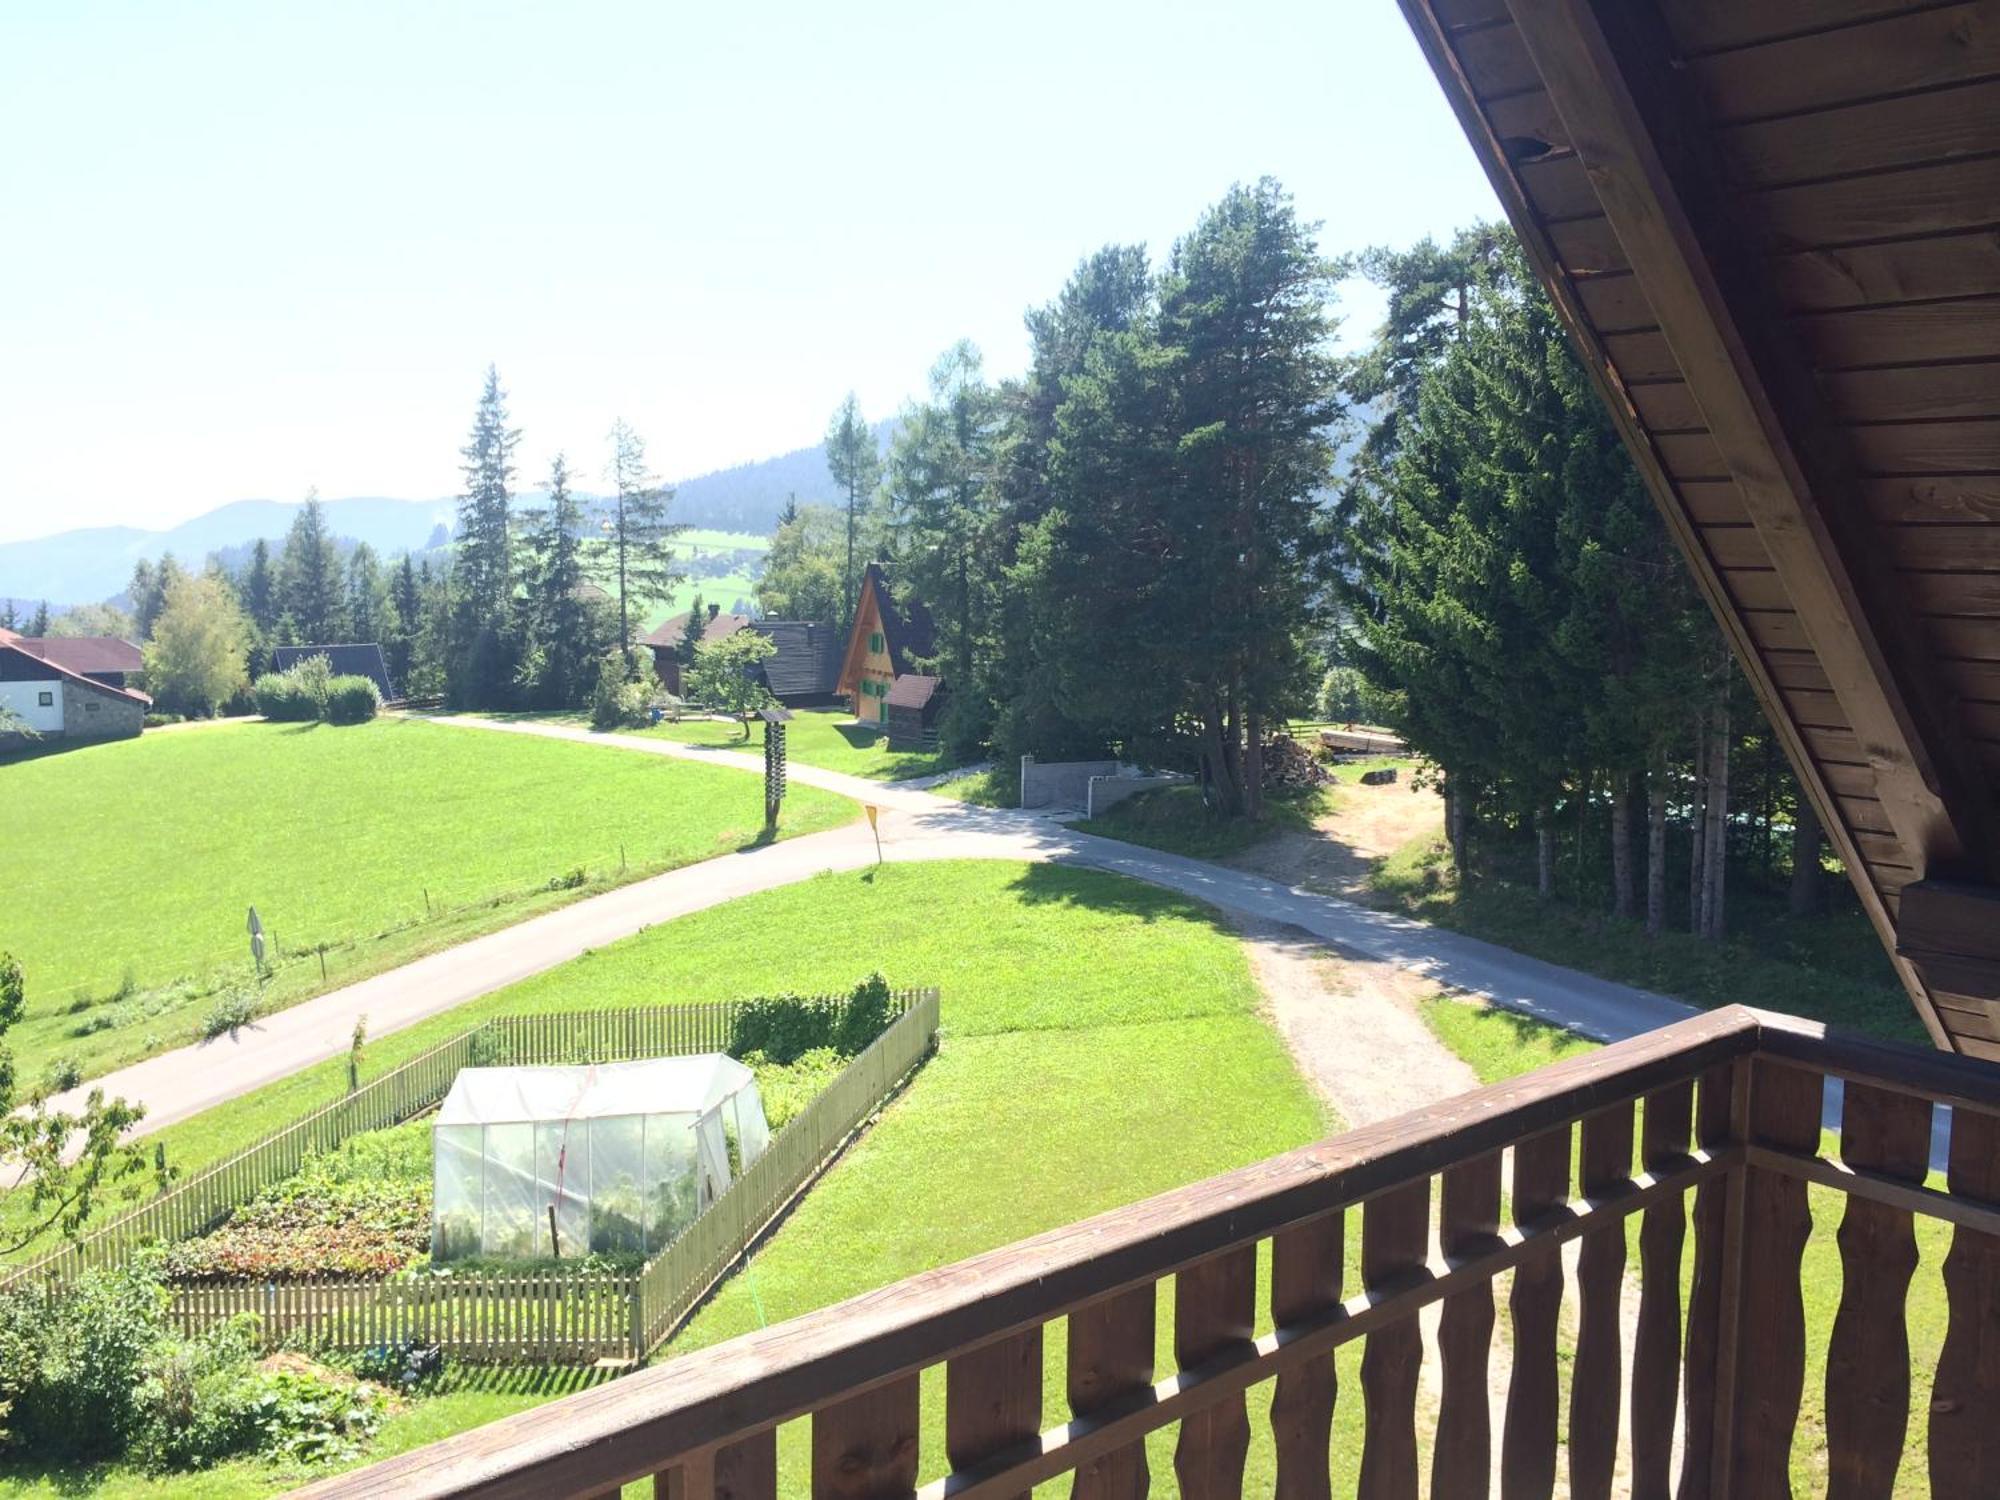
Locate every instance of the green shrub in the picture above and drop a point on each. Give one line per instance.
(160, 721)
(864, 1017)
(200, 1397)
(231, 1011)
(280, 697)
(619, 704)
(352, 700)
(72, 1367)
(786, 1089)
(61, 1075)
(783, 1028)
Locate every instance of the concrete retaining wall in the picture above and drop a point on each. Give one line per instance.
(1106, 792)
(1060, 783)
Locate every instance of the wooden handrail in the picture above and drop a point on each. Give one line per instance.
(585, 1444)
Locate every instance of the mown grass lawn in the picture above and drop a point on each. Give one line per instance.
(136, 862)
(1102, 1043)
(825, 737)
(1499, 1045)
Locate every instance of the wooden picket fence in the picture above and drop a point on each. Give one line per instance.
(535, 1318)
(200, 1202)
(676, 1280)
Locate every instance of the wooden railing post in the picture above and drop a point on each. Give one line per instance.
(1528, 1444)
(1596, 1374)
(1785, 1107)
(1468, 1225)
(865, 1448)
(1305, 1279)
(1656, 1340)
(1215, 1309)
(993, 1398)
(1395, 1239)
(1111, 1355)
(1722, 1119)
(1964, 1434)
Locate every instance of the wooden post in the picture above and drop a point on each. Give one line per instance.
(1468, 1223)
(1215, 1304)
(1305, 1279)
(1395, 1235)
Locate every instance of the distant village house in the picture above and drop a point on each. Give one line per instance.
(879, 675)
(352, 660)
(800, 674)
(71, 688)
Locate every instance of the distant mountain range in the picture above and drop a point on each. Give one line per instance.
(95, 563)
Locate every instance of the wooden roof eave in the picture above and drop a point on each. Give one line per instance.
(1929, 786)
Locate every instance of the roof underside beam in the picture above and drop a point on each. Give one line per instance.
(1609, 70)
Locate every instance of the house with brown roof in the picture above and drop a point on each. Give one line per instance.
(800, 673)
(40, 682)
(887, 642)
(102, 658)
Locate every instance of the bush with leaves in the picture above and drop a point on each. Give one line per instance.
(72, 1366)
(352, 700)
(61, 1162)
(619, 704)
(783, 1028)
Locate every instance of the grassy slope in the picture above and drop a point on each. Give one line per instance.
(1500, 1045)
(1831, 968)
(144, 854)
(1085, 1014)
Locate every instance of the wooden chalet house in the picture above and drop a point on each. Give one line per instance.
(1771, 228)
(884, 645)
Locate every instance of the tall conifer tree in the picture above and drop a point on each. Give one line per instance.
(638, 541)
(856, 466)
(482, 574)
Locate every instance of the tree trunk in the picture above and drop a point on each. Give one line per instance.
(1545, 855)
(1697, 819)
(1454, 828)
(1253, 764)
(1221, 764)
(1808, 885)
(1715, 841)
(1656, 844)
(1621, 846)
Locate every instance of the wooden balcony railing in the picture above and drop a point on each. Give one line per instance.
(1725, 1109)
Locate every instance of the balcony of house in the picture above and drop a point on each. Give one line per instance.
(1590, 1275)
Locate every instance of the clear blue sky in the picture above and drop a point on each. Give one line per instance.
(255, 247)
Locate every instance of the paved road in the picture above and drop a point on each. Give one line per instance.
(915, 825)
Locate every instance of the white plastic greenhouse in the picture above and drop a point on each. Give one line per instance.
(627, 1155)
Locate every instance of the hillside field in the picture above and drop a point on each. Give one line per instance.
(384, 840)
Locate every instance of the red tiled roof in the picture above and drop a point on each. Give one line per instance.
(83, 653)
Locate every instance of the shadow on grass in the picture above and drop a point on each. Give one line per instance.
(1105, 891)
(64, 1479)
(544, 1382)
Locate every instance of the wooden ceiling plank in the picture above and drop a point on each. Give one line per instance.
(1895, 55)
(1943, 199)
(1915, 392)
(1920, 334)
(1971, 446)
(1628, 117)
(1902, 132)
(1945, 547)
(1955, 497)
(1714, 25)
(1917, 270)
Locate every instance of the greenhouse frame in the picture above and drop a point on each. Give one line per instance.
(606, 1159)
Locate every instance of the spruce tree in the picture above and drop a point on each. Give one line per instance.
(258, 588)
(39, 626)
(478, 659)
(405, 621)
(367, 596)
(856, 466)
(563, 639)
(638, 543)
(310, 586)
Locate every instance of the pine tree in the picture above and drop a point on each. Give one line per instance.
(856, 466)
(944, 509)
(39, 626)
(563, 639)
(257, 589)
(478, 661)
(310, 588)
(405, 622)
(638, 546)
(691, 633)
(367, 596)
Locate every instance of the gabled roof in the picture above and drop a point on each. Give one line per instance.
(84, 654)
(1768, 229)
(913, 690)
(908, 631)
(807, 663)
(651, 1086)
(11, 642)
(361, 659)
(720, 626)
